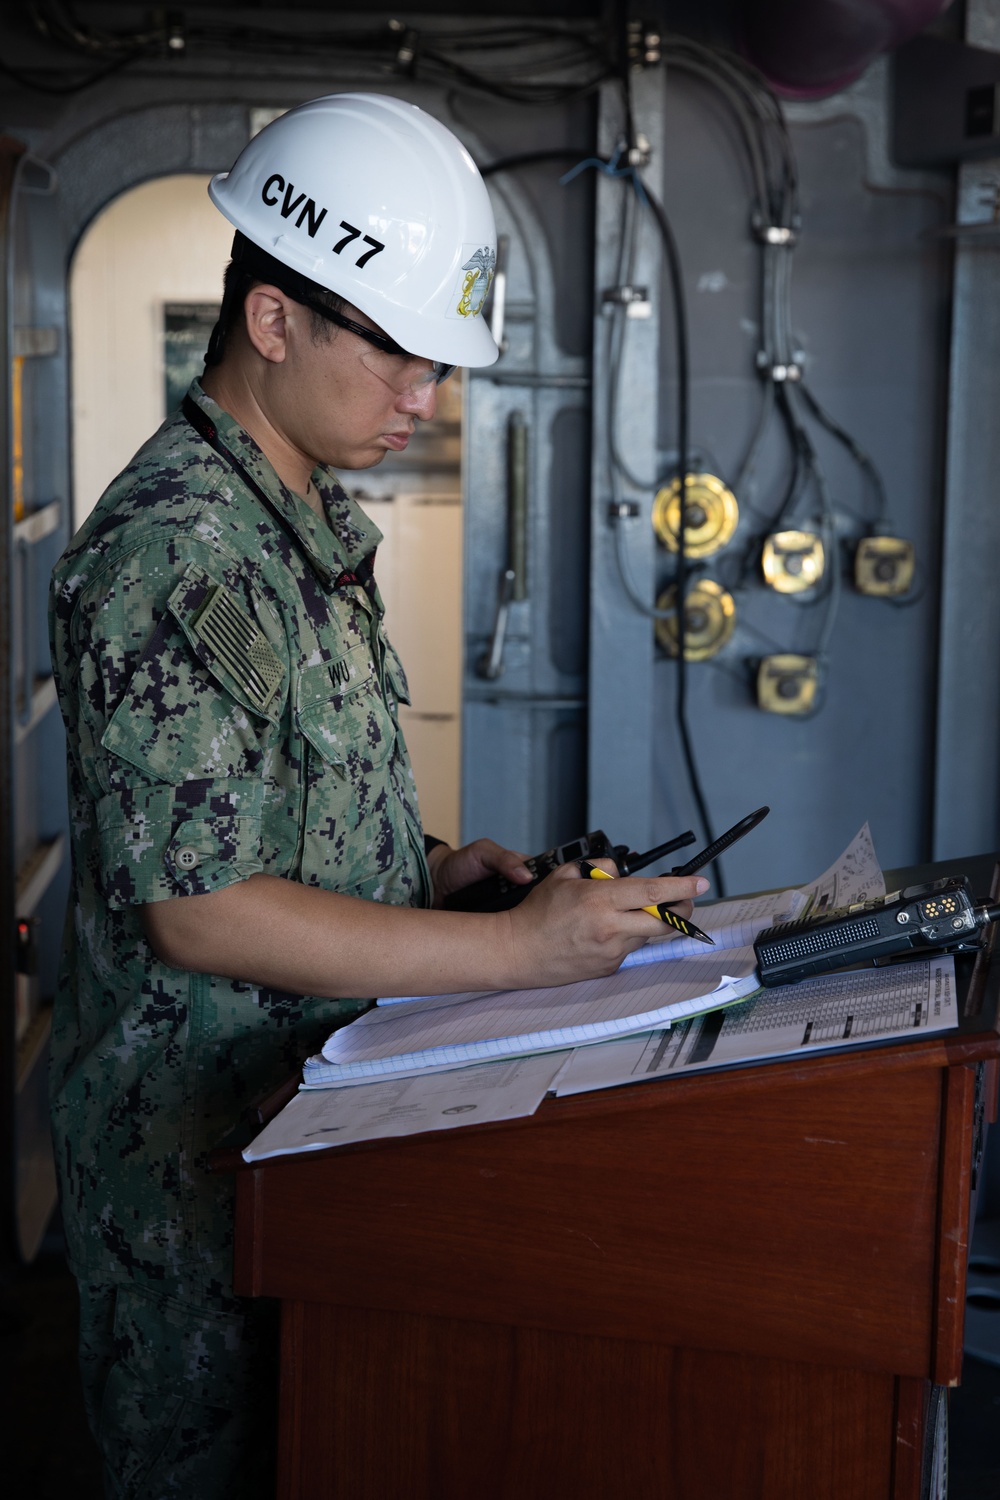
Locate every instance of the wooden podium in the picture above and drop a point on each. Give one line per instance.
(732, 1285)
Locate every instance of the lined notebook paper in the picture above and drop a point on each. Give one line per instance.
(450, 1030)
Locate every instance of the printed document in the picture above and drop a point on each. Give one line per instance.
(856, 876)
(409, 1106)
(862, 1005)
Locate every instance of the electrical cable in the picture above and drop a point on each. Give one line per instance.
(758, 113)
(775, 222)
(528, 93)
(529, 159)
(864, 460)
(698, 69)
(61, 27)
(761, 120)
(676, 282)
(793, 489)
(675, 277)
(39, 87)
(813, 469)
(799, 446)
(749, 96)
(629, 172)
(742, 484)
(619, 319)
(618, 469)
(433, 54)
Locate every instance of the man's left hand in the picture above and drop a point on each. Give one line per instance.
(453, 869)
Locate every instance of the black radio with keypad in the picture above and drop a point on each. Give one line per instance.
(940, 917)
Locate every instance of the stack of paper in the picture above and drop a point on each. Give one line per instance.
(838, 1010)
(412, 1094)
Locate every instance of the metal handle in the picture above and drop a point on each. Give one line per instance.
(499, 292)
(517, 503)
(512, 586)
(490, 664)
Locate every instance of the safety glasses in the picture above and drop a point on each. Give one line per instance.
(384, 357)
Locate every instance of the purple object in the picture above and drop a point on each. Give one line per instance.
(808, 48)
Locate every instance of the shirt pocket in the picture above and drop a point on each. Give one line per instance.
(353, 829)
(342, 713)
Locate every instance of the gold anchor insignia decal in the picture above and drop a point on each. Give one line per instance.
(477, 281)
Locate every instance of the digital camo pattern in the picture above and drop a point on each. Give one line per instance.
(185, 776)
(173, 1394)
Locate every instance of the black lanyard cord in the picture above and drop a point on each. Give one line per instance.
(206, 428)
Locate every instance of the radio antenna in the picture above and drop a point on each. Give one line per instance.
(632, 862)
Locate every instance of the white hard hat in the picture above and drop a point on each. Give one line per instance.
(374, 199)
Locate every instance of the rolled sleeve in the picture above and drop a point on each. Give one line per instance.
(186, 840)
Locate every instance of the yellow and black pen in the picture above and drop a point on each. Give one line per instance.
(661, 910)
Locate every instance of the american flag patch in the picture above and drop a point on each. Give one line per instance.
(239, 645)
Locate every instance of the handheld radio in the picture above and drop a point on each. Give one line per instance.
(496, 893)
(941, 917)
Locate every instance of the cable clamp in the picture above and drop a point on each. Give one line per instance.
(622, 510)
(779, 373)
(174, 33)
(406, 53)
(644, 44)
(775, 234)
(641, 154)
(634, 299)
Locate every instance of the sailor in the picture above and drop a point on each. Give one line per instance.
(248, 860)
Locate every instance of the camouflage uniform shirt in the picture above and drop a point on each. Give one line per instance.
(227, 714)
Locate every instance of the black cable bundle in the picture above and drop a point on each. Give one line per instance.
(524, 57)
(683, 470)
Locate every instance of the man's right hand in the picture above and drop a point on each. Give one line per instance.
(569, 928)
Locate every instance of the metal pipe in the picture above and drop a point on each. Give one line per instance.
(809, 48)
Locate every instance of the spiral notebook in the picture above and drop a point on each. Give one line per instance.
(448, 1031)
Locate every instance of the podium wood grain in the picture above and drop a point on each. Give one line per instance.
(737, 1285)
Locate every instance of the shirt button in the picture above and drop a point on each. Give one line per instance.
(187, 858)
